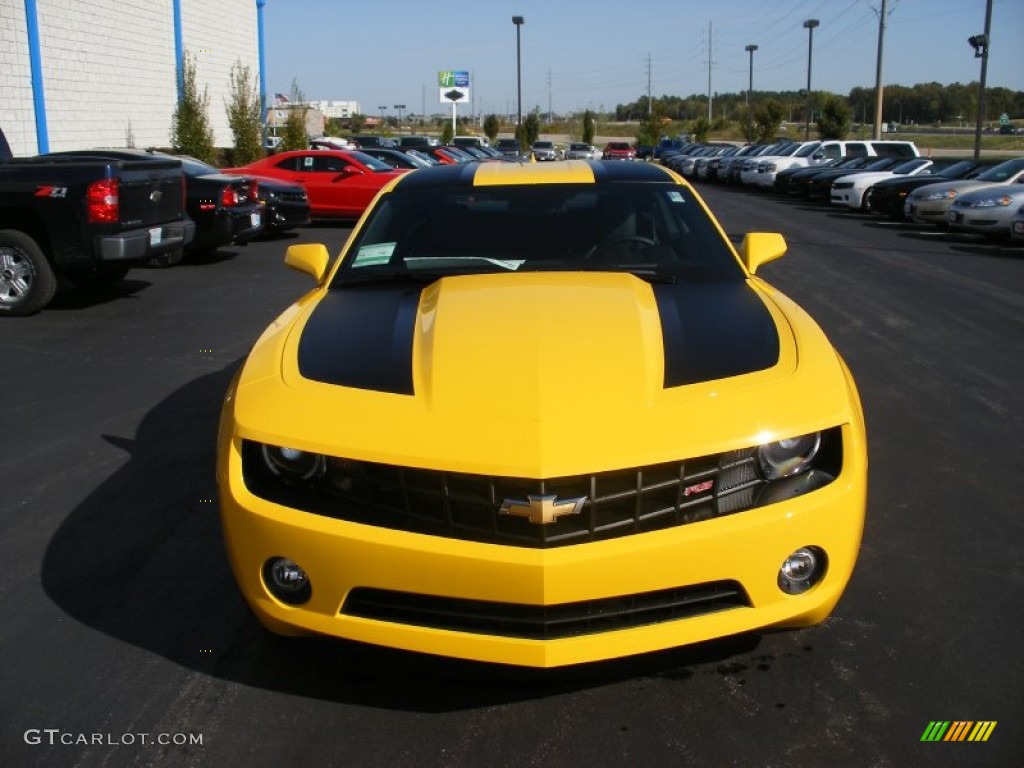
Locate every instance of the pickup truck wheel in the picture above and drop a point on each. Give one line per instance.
(100, 277)
(27, 282)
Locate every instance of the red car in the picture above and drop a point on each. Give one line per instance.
(619, 150)
(338, 183)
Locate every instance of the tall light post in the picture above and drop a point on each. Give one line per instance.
(809, 25)
(399, 107)
(381, 108)
(750, 86)
(519, 21)
(980, 45)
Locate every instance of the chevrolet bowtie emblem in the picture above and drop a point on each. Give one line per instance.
(541, 510)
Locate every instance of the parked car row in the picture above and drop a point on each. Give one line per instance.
(889, 178)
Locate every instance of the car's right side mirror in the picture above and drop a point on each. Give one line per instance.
(311, 258)
(759, 248)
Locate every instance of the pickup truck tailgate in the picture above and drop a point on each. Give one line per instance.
(151, 192)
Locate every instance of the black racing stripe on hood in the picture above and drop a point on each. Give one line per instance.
(713, 330)
(362, 337)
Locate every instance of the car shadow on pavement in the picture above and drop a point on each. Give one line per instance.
(141, 559)
(74, 297)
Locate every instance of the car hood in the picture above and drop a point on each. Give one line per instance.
(866, 178)
(1013, 191)
(965, 185)
(538, 375)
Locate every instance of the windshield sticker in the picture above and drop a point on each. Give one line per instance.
(675, 197)
(371, 255)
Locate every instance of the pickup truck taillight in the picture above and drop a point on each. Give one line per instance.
(102, 203)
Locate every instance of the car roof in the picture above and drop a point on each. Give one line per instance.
(528, 174)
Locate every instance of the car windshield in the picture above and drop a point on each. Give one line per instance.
(1003, 171)
(655, 230)
(808, 149)
(378, 166)
(192, 167)
(910, 165)
(957, 170)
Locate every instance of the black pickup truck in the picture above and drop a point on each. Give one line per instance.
(87, 220)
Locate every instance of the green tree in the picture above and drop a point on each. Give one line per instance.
(295, 134)
(447, 132)
(768, 116)
(649, 131)
(530, 129)
(491, 127)
(700, 129)
(244, 116)
(191, 133)
(589, 127)
(833, 117)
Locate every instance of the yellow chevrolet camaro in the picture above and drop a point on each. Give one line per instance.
(541, 414)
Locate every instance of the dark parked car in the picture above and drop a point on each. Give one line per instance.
(887, 196)
(397, 158)
(820, 187)
(509, 147)
(225, 207)
(285, 205)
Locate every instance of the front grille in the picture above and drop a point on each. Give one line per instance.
(498, 510)
(540, 622)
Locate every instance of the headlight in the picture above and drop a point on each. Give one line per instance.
(788, 457)
(293, 464)
(942, 194)
(992, 202)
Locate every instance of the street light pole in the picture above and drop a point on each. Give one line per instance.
(750, 49)
(381, 108)
(519, 21)
(809, 25)
(399, 107)
(980, 44)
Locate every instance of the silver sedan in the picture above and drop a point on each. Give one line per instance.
(987, 211)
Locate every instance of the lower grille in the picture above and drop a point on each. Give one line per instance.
(544, 622)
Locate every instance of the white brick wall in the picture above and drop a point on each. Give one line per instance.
(18, 115)
(109, 68)
(216, 35)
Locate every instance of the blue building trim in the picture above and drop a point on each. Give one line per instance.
(263, 61)
(35, 56)
(179, 50)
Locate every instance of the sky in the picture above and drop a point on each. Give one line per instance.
(580, 55)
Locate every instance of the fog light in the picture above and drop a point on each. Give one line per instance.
(287, 581)
(802, 570)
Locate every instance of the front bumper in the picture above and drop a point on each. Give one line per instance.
(747, 549)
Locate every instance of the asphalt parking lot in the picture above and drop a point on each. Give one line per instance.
(122, 620)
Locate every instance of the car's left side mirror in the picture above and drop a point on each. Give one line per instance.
(759, 248)
(311, 258)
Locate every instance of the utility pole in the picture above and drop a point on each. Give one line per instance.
(981, 52)
(648, 85)
(709, 71)
(549, 97)
(877, 133)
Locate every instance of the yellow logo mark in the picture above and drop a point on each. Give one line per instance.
(541, 510)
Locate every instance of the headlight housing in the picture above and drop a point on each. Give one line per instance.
(291, 464)
(788, 457)
(942, 194)
(998, 201)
